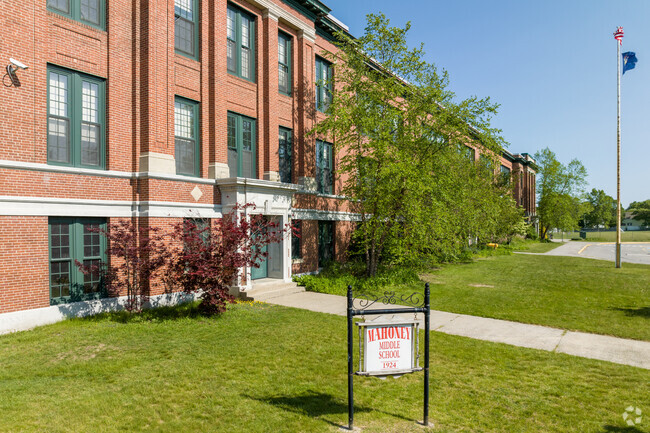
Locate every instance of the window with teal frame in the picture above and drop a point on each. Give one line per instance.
(296, 234)
(186, 27)
(285, 155)
(241, 146)
(91, 12)
(240, 49)
(186, 132)
(70, 240)
(469, 152)
(75, 119)
(323, 84)
(324, 180)
(284, 63)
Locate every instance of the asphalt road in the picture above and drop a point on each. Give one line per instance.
(631, 252)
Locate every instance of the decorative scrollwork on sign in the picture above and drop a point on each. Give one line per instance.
(365, 299)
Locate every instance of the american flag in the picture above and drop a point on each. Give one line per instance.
(618, 35)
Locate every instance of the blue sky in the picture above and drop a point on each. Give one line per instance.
(551, 65)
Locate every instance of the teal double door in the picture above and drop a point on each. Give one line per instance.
(263, 270)
(271, 266)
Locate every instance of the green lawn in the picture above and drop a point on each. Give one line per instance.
(273, 369)
(562, 292)
(536, 247)
(628, 236)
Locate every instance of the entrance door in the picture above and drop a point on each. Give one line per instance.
(263, 270)
(325, 242)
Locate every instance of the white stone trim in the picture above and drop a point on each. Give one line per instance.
(324, 215)
(165, 209)
(173, 177)
(28, 319)
(268, 13)
(46, 206)
(218, 170)
(293, 21)
(273, 176)
(34, 166)
(157, 162)
(308, 36)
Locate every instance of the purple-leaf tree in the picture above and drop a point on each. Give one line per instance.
(137, 256)
(208, 256)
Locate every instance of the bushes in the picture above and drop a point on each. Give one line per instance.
(195, 257)
(336, 277)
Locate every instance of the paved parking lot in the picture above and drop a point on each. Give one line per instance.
(631, 252)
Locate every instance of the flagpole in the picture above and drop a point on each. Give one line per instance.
(618, 152)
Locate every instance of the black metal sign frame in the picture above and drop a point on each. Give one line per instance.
(389, 298)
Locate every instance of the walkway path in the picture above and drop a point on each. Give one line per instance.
(618, 350)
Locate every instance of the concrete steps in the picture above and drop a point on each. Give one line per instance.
(268, 288)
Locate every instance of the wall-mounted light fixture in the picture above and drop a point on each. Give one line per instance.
(11, 72)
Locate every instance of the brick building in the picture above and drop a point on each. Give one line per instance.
(161, 111)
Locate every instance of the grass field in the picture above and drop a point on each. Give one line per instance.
(562, 292)
(630, 236)
(263, 368)
(608, 236)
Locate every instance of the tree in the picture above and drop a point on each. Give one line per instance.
(640, 211)
(137, 256)
(602, 210)
(207, 256)
(559, 190)
(403, 135)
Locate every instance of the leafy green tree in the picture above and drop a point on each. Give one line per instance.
(403, 166)
(559, 191)
(640, 211)
(602, 210)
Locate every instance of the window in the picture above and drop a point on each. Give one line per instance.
(324, 181)
(241, 146)
(469, 152)
(75, 239)
(186, 131)
(296, 233)
(199, 226)
(323, 84)
(89, 12)
(241, 47)
(504, 176)
(285, 152)
(186, 27)
(284, 63)
(325, 242)
(486, 163)
(75, 119)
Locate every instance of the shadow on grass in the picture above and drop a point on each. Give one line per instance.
(617, 429)
(316, 404)
(158, 314)
(642, 311)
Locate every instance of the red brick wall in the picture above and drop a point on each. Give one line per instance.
(24, 263)
(143, 74)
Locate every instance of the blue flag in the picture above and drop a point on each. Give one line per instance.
(629, 61)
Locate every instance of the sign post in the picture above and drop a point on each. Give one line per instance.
(390, 346)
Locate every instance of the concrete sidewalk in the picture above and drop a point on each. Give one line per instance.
(619, 350)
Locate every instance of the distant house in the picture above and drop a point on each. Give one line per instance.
(628, 223)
